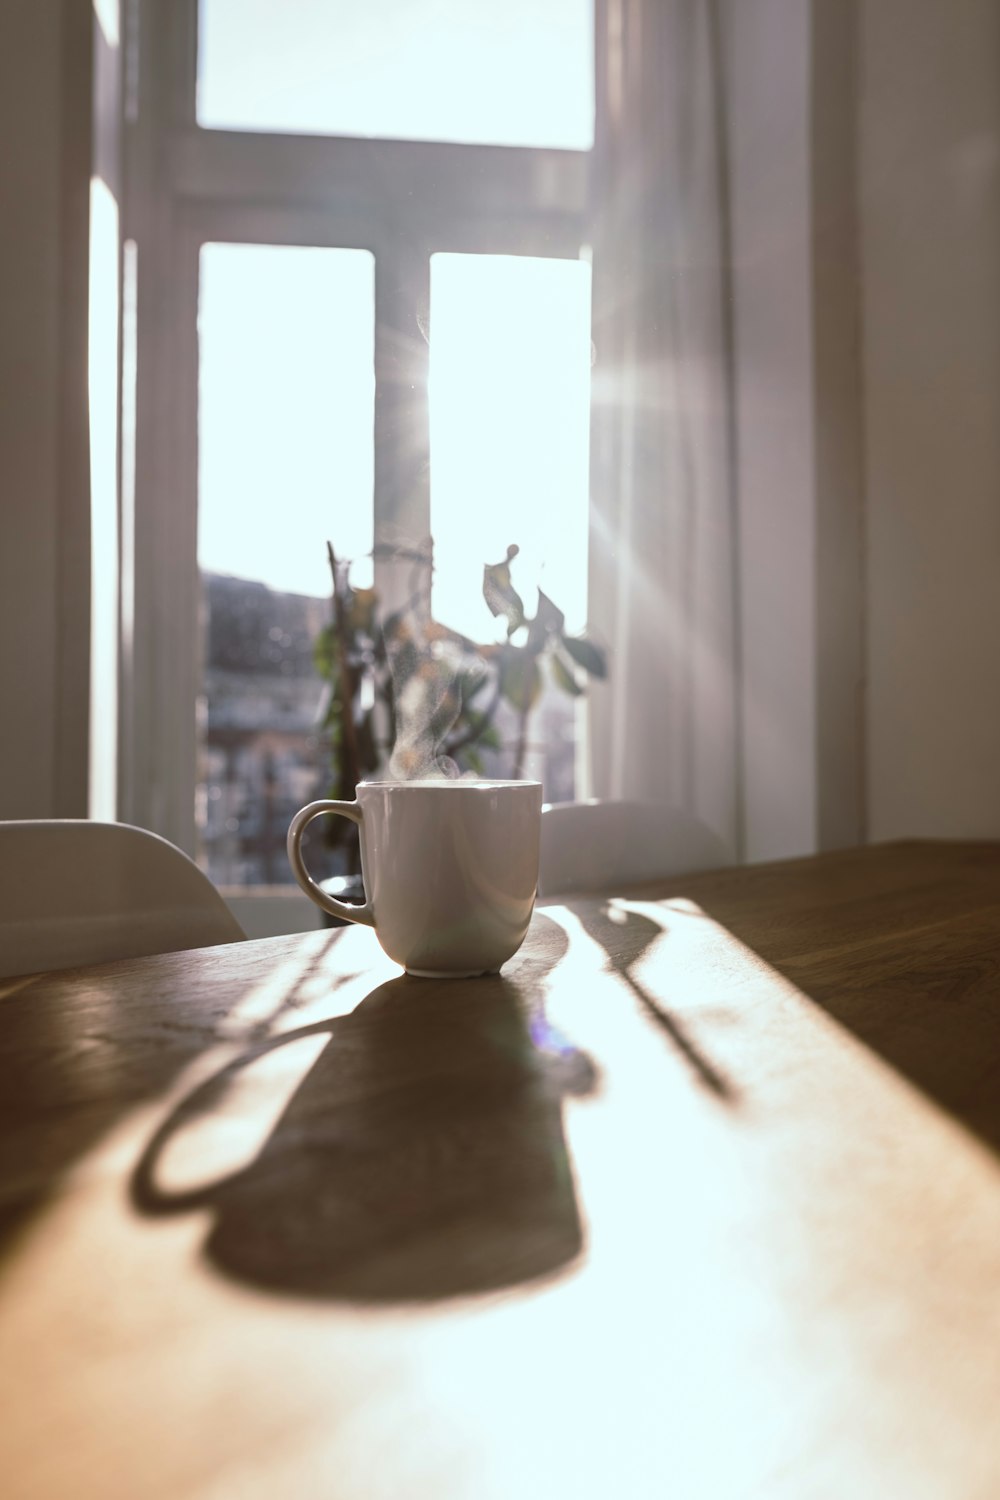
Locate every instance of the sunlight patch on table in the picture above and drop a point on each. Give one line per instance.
(230, 1133)
(310, 982)
(268, 997)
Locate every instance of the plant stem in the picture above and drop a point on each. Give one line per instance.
(522, 743)
(350, 760)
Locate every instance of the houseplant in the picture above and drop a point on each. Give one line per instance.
(406, 696)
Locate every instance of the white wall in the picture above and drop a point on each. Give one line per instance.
(769, 134)
(930, 212)
(791, 102)
(44, 558)
(866, 279)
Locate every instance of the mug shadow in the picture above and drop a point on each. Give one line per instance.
(421, 1157)
(64, 1087)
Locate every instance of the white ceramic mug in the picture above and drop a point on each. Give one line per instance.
(450, 870)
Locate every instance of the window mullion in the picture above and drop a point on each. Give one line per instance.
(178, 36)
(402, 439)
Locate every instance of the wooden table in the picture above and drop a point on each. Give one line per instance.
(701, 1198)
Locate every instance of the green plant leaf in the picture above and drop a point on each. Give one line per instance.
(586, 655)
(548, 621)
(367, 748)
(489, 736)
(361, 614)
(472, 682)
(324, 652)
(473, 760)
(500, 594)
(521, 681)
(563, 677)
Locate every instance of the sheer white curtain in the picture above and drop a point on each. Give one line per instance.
(663, 547)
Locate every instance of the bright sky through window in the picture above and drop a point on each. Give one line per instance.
(286, 401)
(509, 414)
(286, 395)
(502, 72)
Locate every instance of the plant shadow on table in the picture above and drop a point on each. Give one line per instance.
(626, 935)
(864, 935)
(421, 1157)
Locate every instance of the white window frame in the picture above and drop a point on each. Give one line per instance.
(186, 186)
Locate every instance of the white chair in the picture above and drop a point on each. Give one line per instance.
(76, 892)
(600, 846)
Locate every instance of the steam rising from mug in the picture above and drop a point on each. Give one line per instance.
(427, 702)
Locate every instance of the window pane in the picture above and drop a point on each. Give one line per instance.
(503, 72)
(285, 461)
(510, 424)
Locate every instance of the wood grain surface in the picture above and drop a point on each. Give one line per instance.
(699, 1198)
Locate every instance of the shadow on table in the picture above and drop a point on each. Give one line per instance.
(930, 1015)
(65, 1081)
(626, 935)
(421, 1157)
(899, 945)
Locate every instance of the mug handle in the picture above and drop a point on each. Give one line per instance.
(297, 828)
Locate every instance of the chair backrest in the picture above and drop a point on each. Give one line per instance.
(76, 892)
(596, 846)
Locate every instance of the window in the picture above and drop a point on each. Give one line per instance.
(286, 392)
(509, 425)
(362, 315)
(493, 72)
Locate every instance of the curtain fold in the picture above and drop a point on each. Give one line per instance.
(663, 576)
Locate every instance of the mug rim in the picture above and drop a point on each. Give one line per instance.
(483, 783)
